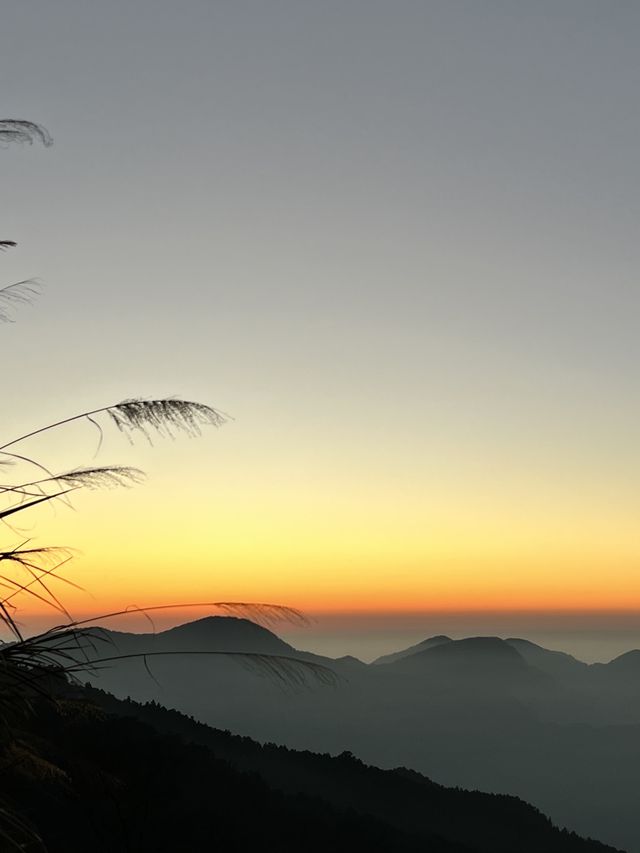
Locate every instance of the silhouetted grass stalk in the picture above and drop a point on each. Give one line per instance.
(29, 666)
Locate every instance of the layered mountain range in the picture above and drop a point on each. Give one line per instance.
(499, 715)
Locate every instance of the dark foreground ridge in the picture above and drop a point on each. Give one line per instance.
(94, 773)
(481, 713)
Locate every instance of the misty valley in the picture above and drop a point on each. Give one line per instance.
(501, 716)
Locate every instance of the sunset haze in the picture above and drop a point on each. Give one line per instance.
(398, 251)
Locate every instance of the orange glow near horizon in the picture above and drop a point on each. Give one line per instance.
(351, 586)
(345, 540)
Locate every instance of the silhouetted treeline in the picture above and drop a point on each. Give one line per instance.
(94, 773)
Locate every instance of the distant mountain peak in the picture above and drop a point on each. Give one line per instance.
(470, 659)
(216, 623)
(351, 660)
(227, 633)
(430, 642)
(552, 662)
(628, 661)
(210, 633)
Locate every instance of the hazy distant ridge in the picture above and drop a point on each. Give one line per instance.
(482, 712)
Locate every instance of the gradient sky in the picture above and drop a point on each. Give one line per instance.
(398, 242)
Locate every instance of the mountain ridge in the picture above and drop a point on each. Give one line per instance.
(396, 810)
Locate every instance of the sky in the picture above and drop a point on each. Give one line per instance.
(397, 243)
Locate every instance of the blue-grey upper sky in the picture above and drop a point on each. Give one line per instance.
(397, 241)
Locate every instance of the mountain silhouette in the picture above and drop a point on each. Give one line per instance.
(471, 655)
(419, 647)
(551, 662)
(627, 664)
(505, 716)
(488, 664)
(211, 633)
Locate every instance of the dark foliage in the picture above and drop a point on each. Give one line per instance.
(130, 777)
(90, 781)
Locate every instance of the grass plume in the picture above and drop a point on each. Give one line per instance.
(23, 132)
(19, 293)
(31, 666)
